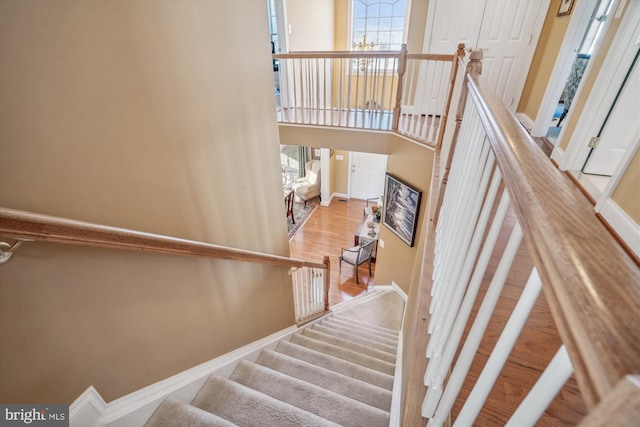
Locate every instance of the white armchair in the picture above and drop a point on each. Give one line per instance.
(308, 187)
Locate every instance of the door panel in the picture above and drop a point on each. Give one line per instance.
(504, 28)
(507, 30)
(618, 129)
(367, 175)
(454, 21)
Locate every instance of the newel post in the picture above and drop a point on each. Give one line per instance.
(402, 68)
(327, 281)
(474, 68)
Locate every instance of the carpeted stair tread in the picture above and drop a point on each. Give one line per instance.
(371, 336)
(357, 300)
(355, 327)
(309, 397)
(356, 338)
(325, 378)
(175, 413)
(247, 407)
(356, 322)
(353, 346)
(336, 364)
(384, 311)
(344, 353)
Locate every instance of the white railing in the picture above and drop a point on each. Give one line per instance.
(389, 91)
(591, 285)
(310, 291)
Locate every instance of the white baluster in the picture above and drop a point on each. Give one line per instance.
(477, 330)
(440, 363)
(543, 392)
(462, 269)
(501, 352)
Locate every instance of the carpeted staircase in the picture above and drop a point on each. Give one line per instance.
(338, 371)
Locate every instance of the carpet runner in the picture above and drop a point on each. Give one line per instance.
(336, 372)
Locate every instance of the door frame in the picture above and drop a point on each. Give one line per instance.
(528, 53)
(575, 32)
(614, 69)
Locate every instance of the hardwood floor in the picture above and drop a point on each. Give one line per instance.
(326, 231)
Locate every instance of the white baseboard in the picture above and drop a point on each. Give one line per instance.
(557, 155)
(393, 287)
(135, 408)
(87, 408)
(526, 121)
(626, 228)
(395, 415)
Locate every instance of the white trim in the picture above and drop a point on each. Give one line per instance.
(628, 155)
(324, 176)
(616, 64)
(399, 291)
(86, 409)
(557, 155)
(341, 195)
(626, 228)
(525, 121)
(395, 415)
(135, 408)
(575, 32)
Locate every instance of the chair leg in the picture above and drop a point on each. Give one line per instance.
(357, 281)
(305, 203)
(369, 267)
(339, 265)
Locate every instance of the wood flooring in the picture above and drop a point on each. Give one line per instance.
(326, 231)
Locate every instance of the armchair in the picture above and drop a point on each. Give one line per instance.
(356, 256)
(308, 187)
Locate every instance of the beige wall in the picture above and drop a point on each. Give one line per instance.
(626, 194)
(544, 58)
(134, 114)
(413, 164)
(311, 23)
(337, 138)
(341, 172)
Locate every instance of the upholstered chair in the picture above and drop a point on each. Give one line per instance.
(356, 256)
(308, 187)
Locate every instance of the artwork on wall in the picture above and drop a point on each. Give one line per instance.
(565, 7)
(401, 204)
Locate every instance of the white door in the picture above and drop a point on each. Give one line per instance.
(505, 29)
(367, 175)
(618, 129)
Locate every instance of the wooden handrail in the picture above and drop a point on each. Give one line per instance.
(356, 54)
(591, 284)
(27, 225)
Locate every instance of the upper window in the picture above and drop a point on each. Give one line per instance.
(378, 24)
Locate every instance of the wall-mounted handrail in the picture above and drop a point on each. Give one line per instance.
(27, 225)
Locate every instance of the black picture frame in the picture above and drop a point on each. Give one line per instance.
(401, 206)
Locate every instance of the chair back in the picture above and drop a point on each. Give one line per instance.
(312, 171)
(365, 251)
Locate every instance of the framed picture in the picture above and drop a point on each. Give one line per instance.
(565, 7)
(401, 204)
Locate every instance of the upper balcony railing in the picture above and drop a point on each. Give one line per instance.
(389, 91)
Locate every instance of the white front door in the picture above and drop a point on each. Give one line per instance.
(506, 30)
(367, 175)
(618, 129)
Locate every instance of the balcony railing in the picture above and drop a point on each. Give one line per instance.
(387, 91)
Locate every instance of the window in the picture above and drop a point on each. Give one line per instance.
(381, 22)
